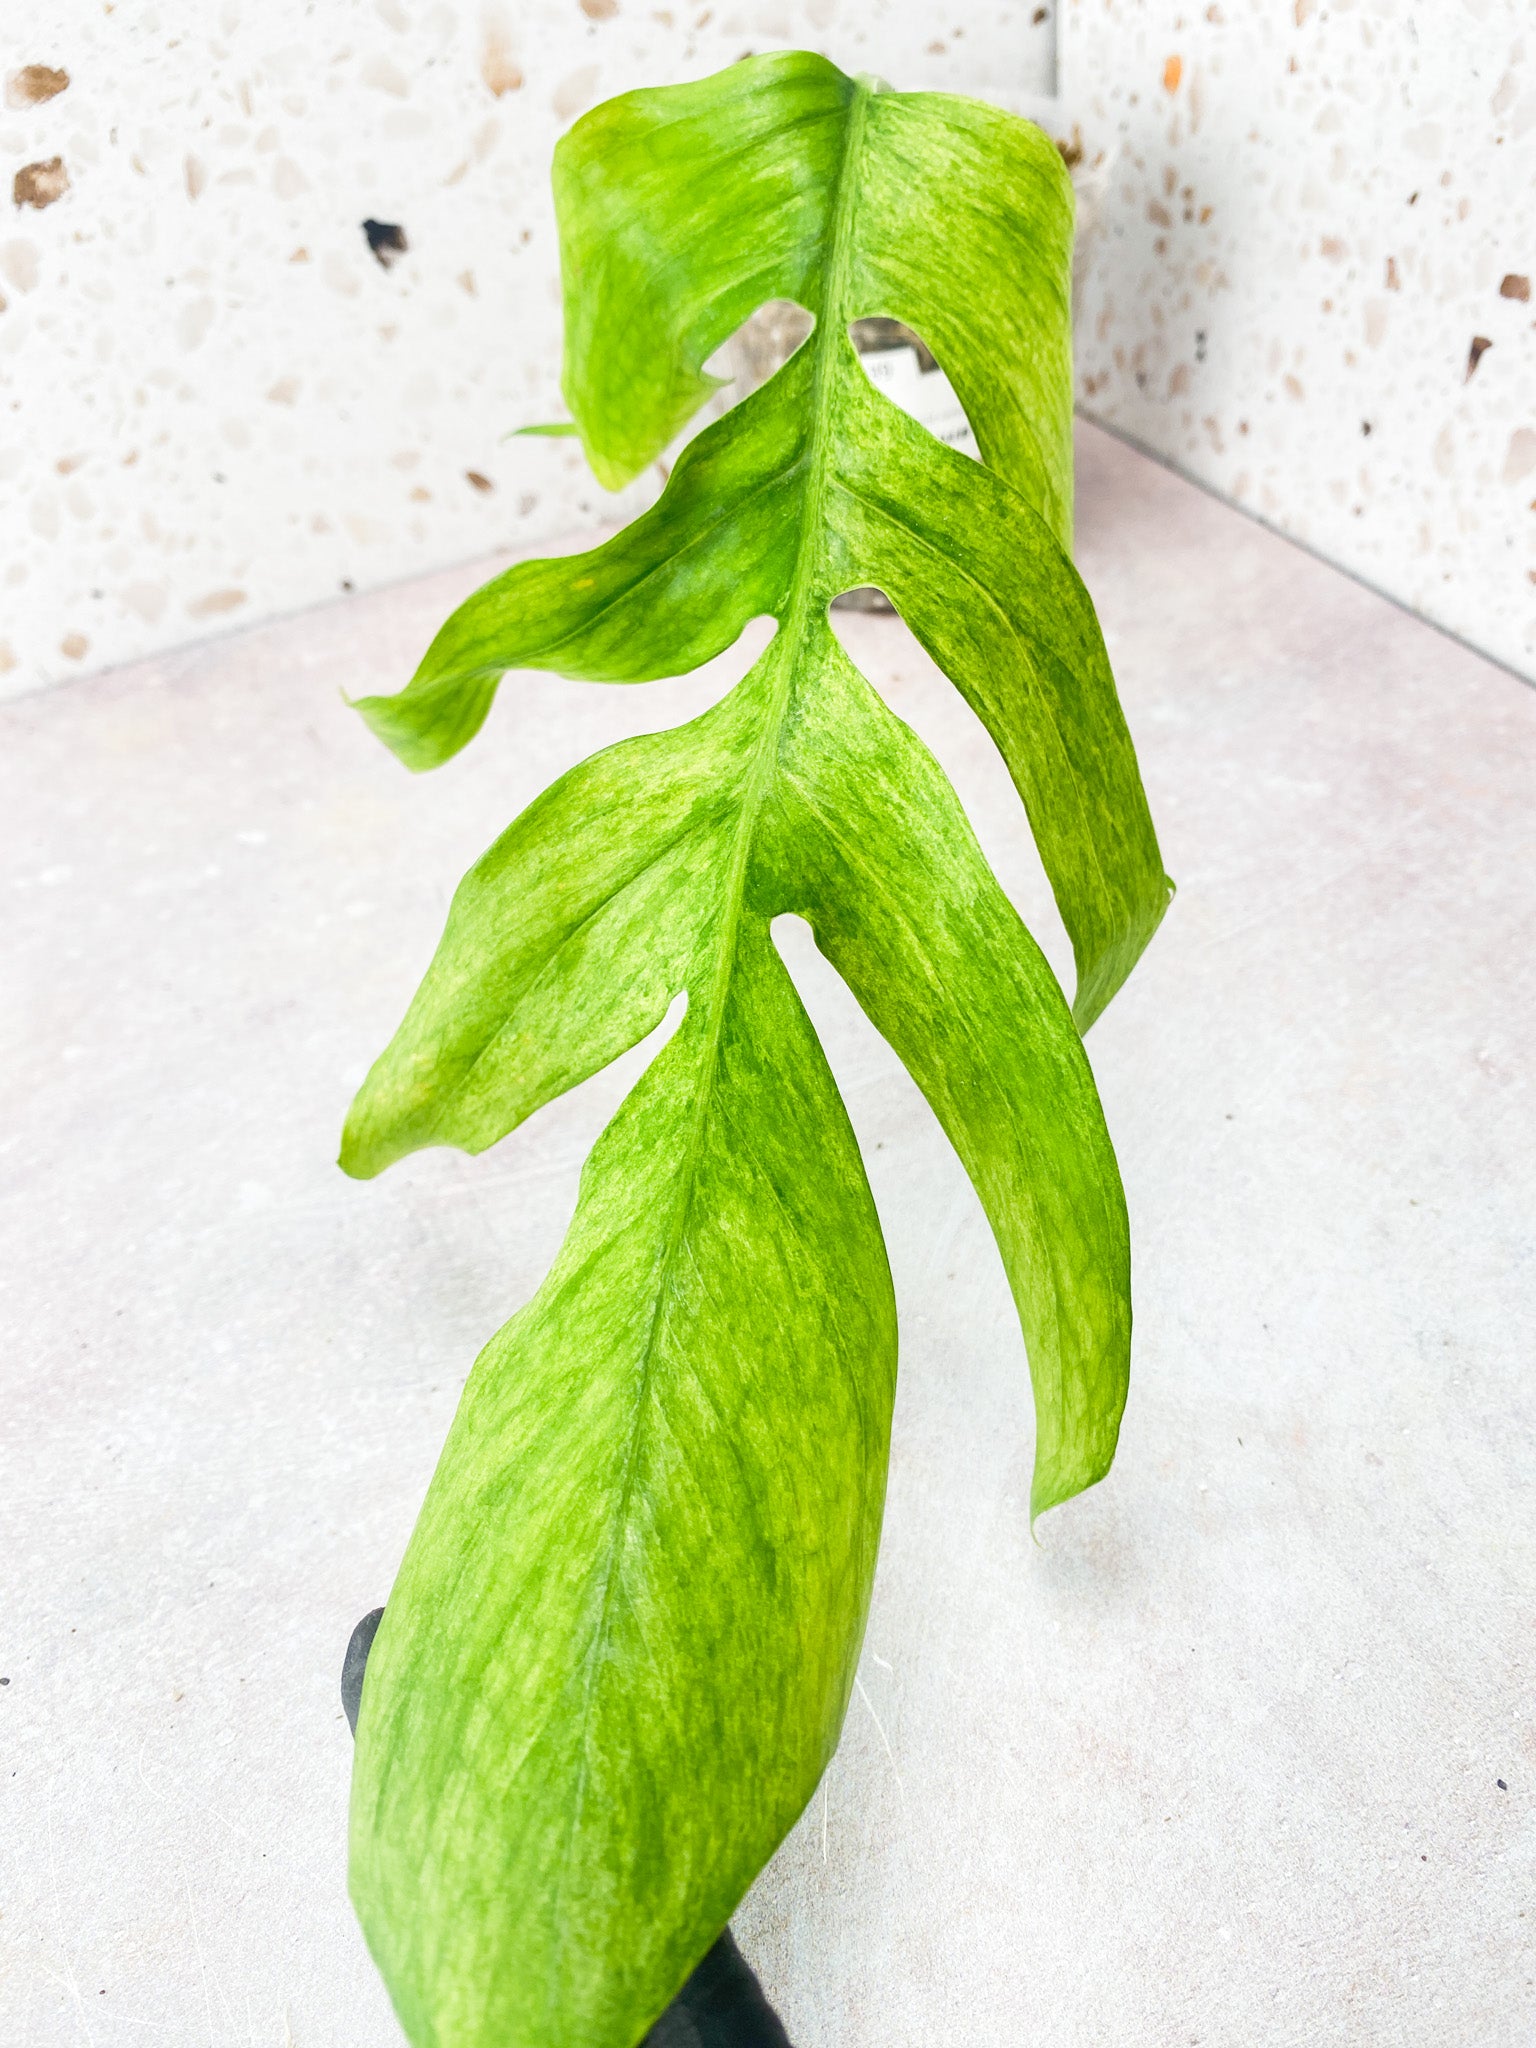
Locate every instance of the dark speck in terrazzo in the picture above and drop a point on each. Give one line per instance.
(40, 184)
(386, 240)
(33, 85)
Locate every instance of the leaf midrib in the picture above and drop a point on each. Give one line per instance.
(798, 619)
(656, 568)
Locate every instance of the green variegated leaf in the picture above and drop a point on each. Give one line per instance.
(618, 1654)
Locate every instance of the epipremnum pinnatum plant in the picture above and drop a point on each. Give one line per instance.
(618, 1653)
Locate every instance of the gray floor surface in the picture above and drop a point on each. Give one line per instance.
(1242, 1753)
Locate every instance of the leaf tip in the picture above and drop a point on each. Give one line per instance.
(1046, 1494)
(1058, 1479)
(388, 720)
(361, 1155)
(353, 1158)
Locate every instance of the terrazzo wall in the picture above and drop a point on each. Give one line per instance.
(276, 281)
(222, 396)
(1312, 281)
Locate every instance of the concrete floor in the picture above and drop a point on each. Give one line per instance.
(1219, 1761)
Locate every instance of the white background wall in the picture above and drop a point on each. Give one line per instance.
(216, 405)
(1308, 208)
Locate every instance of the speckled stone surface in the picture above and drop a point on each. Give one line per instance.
(1217, 1761)
(1306, 279)
(1312, 283)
